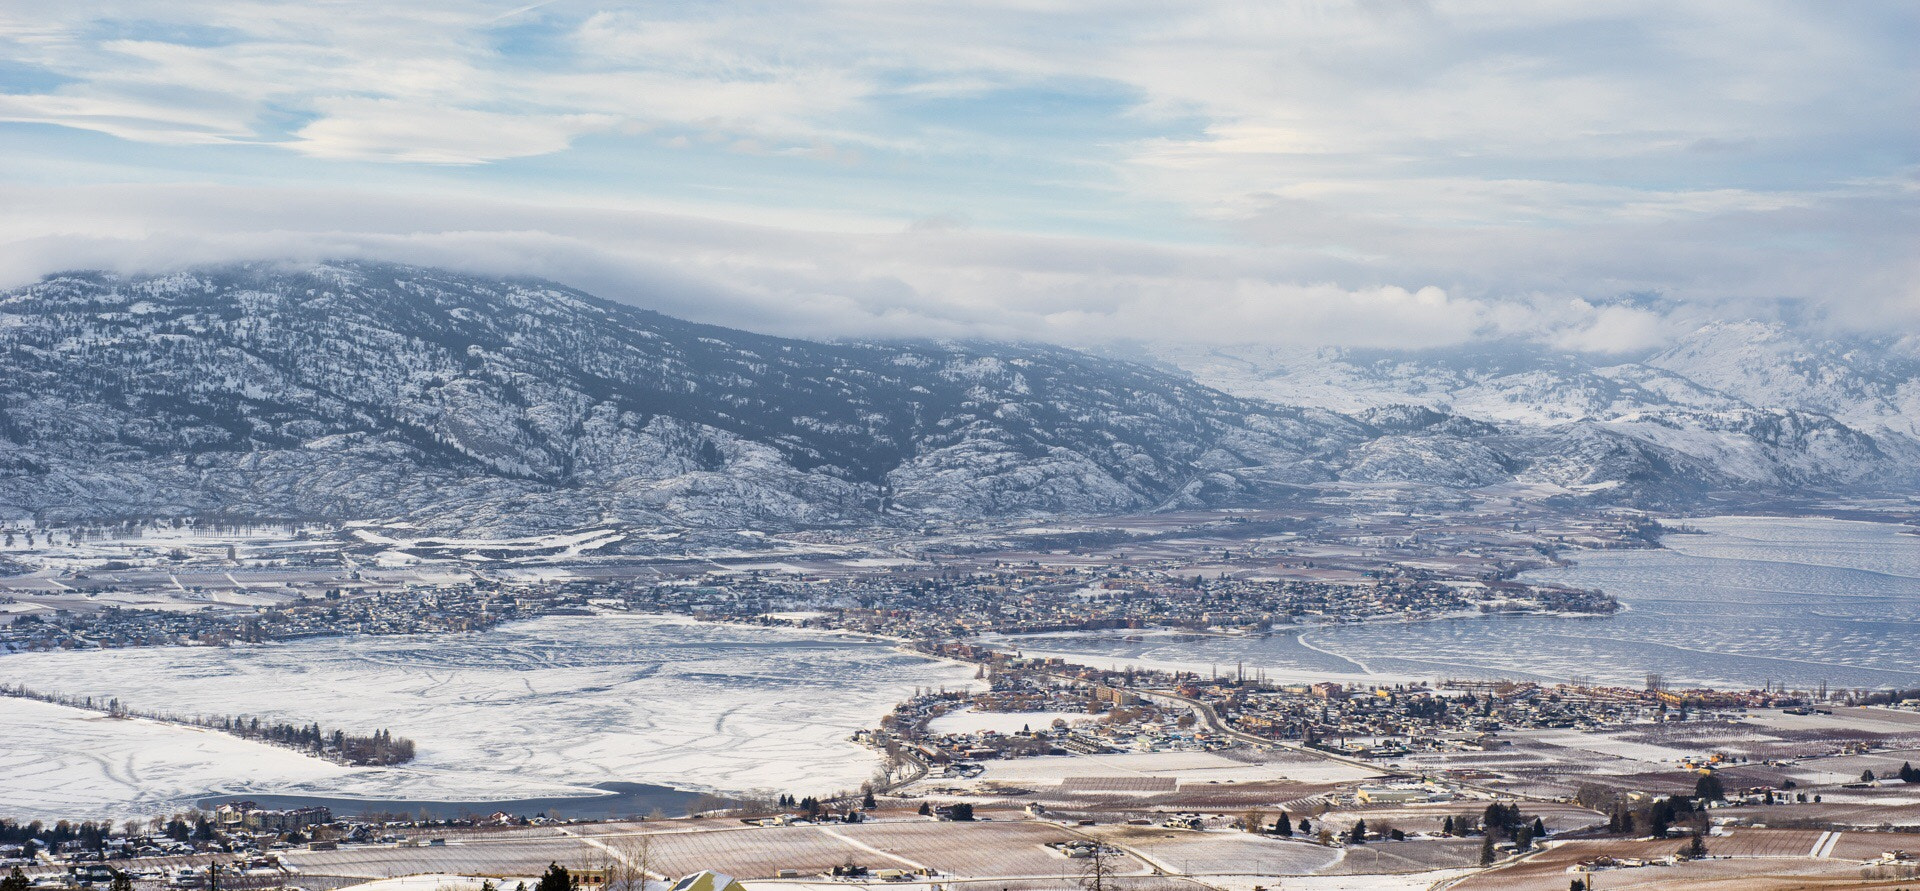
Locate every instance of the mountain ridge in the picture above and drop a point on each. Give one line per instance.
(358, 390)
(226, 386)
(1755, 402)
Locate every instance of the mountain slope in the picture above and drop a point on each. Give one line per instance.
(1736, 407)
(455, 402)
(1873, 387)
(366, 390)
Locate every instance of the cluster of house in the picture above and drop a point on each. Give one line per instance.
(1137, 710)
(1388, 722)
(1106, 719)
(397, 610)
(247, 816)
(249, 837)
(1043, 599)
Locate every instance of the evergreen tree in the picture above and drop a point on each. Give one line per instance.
(556, 878)
(1358, 835)
(1284, 825)
(16, 881)
(1908, 774)
(1446, 828)
(868, 802)
(1539, 828)
(1486, 851)
(1660, 819)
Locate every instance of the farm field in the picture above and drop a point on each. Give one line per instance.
(985, 850)
(1766, 859)
(1413, 856)
(954, 850)
(1186, 767)
(1712, 875)
(758, 853)
(505, 855)
(1431, 818)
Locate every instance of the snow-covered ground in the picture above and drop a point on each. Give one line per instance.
(538, 708)
(1187, 767)
(1288, 656)
(969, 720)
(435, 881)
(61, 550)
(1417, 881)
(61, 762)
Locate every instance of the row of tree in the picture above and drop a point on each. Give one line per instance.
(379, 748)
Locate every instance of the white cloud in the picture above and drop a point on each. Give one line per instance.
(1372, 173)
(387, 130)
(924, 282)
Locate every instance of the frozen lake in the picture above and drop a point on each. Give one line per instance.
(532, 710)
(1754, 599)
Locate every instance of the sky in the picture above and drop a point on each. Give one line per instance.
(1596, 176)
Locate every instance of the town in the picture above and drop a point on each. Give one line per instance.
(1178, 776)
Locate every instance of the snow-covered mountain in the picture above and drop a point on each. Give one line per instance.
(1870, 386)
(364, 390)
(1752, 403)
(360, 390)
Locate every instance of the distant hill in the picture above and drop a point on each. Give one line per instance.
(1751, 406)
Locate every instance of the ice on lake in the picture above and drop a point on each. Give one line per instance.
(61, 763)
(538, 708)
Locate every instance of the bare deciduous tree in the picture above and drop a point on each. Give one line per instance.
(626, 861)
(1097, 874)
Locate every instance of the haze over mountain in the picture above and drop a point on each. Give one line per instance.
(359, 390)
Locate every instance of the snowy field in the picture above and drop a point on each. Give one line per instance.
(1287, 655)
(1184, 767)
(539, 708)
